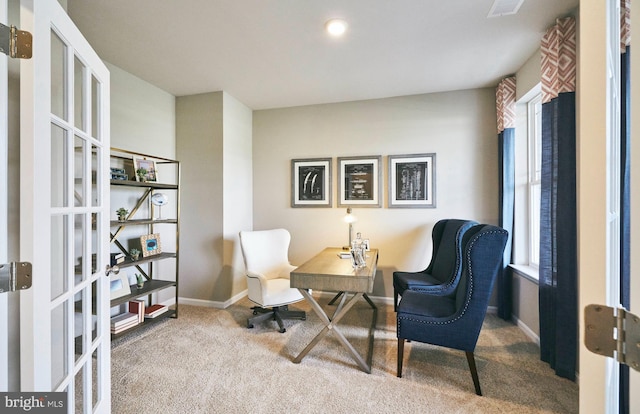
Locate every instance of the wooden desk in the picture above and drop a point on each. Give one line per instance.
(328, 272)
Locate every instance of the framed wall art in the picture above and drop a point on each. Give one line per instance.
(311, 182)
(150, 244)
(145, 170)
(412, 181)
(359, 181)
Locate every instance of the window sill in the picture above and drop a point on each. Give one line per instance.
(527, 272)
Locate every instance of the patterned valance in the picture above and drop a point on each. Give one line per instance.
(625, 24)
(559, 59)
(506, 103)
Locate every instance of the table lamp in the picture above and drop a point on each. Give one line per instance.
(350, 219)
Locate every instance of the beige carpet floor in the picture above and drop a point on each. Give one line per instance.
(207, 361)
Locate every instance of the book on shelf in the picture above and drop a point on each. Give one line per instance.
(137, 306)
(123, 319)
(154, 310)
(117, 258)
(124, 327)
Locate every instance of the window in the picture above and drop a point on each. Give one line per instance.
(534, 146)
(528, 151)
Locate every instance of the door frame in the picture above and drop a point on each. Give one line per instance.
(4, 199)
(634, 376)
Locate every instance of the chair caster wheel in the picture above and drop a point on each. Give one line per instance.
(249, 326)
(283, 330)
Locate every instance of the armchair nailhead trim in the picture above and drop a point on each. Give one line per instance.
(466, 303)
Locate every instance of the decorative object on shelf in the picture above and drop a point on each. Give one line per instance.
(358, 253)
(159, 199)
(360, 181)
(150, 244)
(141, 173)
(145, 170)
(122, 214)
(134, 253)
(311, 182)
(140, 280)
(350, 219)
(412, 181)
(118, 174)
(119, 285)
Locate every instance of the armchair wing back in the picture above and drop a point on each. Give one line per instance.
(455, 321)
(443, 273)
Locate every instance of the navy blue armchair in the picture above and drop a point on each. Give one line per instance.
(443, 273)
(455, 321)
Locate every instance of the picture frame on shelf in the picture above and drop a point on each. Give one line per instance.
(146, 165)
(360, 181)
(311, 182)
(412, 181)
(119, 285)
(150, 244)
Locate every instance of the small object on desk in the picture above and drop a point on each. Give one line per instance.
(344, 255)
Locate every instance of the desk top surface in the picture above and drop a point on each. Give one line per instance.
(327, 271)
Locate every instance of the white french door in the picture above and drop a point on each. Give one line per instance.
(4, 191)
(64, 212)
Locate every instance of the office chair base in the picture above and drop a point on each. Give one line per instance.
(277, 313)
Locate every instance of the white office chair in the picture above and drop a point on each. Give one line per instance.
(266, 260)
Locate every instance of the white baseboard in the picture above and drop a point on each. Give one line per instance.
(527, 331)
(213, 303)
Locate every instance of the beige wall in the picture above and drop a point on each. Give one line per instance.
(200, 133)
(214, 145)
(460, 127)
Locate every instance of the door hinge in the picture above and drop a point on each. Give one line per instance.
(15, 43)
(15, 276)
(613, 332)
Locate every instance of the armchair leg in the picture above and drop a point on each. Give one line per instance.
(474, 372)
(400, 356)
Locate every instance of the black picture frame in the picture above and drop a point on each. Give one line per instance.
(412, 181)
(360, 181)
(311, 182)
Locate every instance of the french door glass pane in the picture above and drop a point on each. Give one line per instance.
(78, 247)
(95, 240)
(79, 391)
(78, 326)
(79, 156)
(94, 108)
(95, 164)
(94, 304)
(95, 377)
(58, 162)
(59, 346)
(58, 99)
(78, 94)
(59, 278)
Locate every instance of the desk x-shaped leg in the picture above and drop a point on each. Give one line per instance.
(330, 325)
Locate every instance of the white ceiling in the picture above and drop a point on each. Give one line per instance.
(274, 53)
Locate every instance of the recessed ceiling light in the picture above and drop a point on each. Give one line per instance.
(336, 27)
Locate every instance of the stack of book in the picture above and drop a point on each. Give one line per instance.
(137, 306)
(117, 258)
(154, 311)
(123, 322)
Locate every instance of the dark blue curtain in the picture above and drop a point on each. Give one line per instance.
(506, 142)
(558, 287)
(625, 232)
